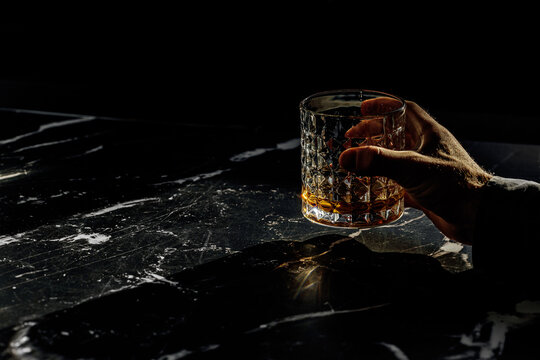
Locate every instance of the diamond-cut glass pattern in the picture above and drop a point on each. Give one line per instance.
(332, 195)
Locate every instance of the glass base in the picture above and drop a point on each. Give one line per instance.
(391, 211)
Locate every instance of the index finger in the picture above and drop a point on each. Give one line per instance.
(366, 128)
(372, 109)
(379, 106)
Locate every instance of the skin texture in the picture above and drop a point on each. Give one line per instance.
(438, 175)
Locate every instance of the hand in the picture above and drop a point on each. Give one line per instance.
(438, 175)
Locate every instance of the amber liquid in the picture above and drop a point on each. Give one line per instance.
(352, 214)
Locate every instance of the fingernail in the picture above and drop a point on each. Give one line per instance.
(347, 159)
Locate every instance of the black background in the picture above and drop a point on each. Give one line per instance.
(474, 68)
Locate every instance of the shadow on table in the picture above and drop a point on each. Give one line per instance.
(327, 297)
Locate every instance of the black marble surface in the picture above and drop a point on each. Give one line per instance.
(129, 239)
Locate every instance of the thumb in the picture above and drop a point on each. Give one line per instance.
(406, 167)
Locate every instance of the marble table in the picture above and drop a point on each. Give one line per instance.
(166, 240)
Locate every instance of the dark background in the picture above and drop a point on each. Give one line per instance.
(474, 68)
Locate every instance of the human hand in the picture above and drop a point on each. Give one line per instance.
(438, 175)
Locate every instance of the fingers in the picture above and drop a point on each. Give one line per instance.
(409, 168)
(370, 127)
(379, 106)
(366, 128)
(406, 167)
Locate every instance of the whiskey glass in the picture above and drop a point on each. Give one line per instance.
(332, 122)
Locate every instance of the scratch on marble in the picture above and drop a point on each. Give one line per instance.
(205, 246)
(406, 222)
(46, 127)
(30, 273)
(25, 263)
(152, 277)
(415, 247)
(92, 239)
(393, 225)
(66, 270)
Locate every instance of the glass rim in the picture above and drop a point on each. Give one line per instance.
(303, 103)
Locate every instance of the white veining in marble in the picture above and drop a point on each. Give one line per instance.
(9, 175)
(397, 352)
(286, 145)
(41, 145)
(195, 178)
(93, 150)
(313, 315)
(47, 127)
(93, 239)
(395, 224)
(289, 144)
(20, 346)
(184, 352)
(488, 338)
(451, 246)
(119, 206)
(8, 239)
